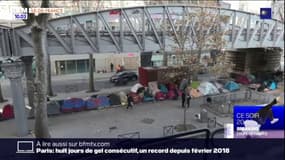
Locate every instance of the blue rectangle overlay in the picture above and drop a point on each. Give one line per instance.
(265, 13)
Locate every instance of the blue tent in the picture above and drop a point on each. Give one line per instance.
(103, 101)
(73, 104)
(232, 86)
(162, 88)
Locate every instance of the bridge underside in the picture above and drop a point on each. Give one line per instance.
(141, 29)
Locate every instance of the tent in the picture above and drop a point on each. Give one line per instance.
(232, 86)
(242, 79)
(162, 88)
(73, 104)
(148, 97)
(103, 101)
(92, 103)
(195, 84)
(207, 88)
(136, 87)
(114, 99)
(7, 112)
(153, 87)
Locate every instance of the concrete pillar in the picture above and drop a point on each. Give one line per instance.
(28, 61)
(14, 71)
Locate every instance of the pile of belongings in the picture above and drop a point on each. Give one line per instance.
(135, 97)
(220, 87)
(123, 98)
(232, 86)
(73, 104)
(7, 112)
(137, 93)
(153, 86)
(207, 88)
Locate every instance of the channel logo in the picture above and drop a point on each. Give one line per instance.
(259, 121)
(265, 13)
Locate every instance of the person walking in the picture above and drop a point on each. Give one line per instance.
(130, 101)
(112, 67)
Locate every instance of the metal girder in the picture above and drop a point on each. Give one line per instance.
(85, 34)
(238, 34)
(109, 31)
(143, 30)
(61, 41)
(132, 29)
(248, 27)
(3, 44)
(279, 37)
(25, 37)
(172, 26)
(150, 20)
(72, 35)
(233, 28)
(121, 30)
(254, 32)
(268, 32)
(97, 32)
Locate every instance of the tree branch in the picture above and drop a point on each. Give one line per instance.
(31, 17)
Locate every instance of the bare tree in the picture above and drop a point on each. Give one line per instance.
(38, 25)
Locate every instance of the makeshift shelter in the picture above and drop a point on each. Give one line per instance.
(195, 93)
(73, 104)
(163, 88)
(232, 86)
(7, 112)
(195, 84)
(92, 103)
(136, 87)
(160, 96)
(103, 101)
(148, 97)
(243, 80)
(207, 88)
(172, 94)
(114, 99)
(53, 108)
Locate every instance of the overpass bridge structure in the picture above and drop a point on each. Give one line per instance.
(138, 29)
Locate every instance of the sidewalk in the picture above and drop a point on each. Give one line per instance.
(147, 118)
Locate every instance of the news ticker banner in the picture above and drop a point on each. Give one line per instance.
(141, 149)
(258, 122)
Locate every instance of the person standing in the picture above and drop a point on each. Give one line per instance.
(112, 67)
(183, 89)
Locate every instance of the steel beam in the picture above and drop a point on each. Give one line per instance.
(272, 25)
(109, 31)
(253, 34)
(57, 36)
(150, 20)
(3, 44)
(132, 28)
(279, 37)
(248, 27)
(25, 37)
(143, 29)
(75, 20)
(173, 28)
(72, 35)
(97, 32)
(121, 30)
(239, 32)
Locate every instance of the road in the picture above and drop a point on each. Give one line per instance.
(69, 83)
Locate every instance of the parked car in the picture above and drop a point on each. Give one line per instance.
(123, 77)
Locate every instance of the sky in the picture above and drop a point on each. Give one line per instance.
(251, 6)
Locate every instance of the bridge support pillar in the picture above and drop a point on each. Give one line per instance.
(14, 71)
(28, 61)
